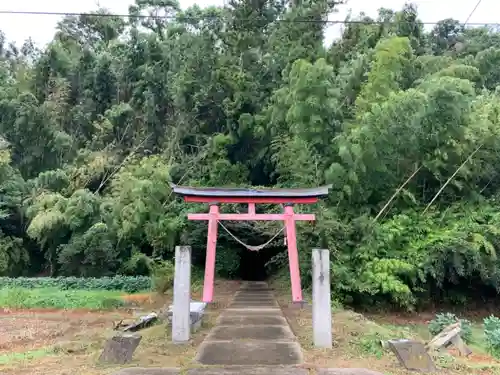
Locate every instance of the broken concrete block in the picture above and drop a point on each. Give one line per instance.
(143, 322)
(120, 348)
(196, 313)
(412, 355)
(449, 336)
(458, 343)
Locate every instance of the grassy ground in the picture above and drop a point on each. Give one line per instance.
(357, 341)
(21, 298)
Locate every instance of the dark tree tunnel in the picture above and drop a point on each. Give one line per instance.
(253, 263)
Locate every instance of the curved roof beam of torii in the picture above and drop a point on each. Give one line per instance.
(251, 195)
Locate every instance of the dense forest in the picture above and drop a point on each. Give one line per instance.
(404, 122)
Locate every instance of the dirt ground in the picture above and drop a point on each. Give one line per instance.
(29, 330)
(56, 342)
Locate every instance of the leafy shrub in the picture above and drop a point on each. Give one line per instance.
(60, 299)
(441, 321)
(163, 276)
(138, 264)
(129, 284)
(492, 334)
(227, 263)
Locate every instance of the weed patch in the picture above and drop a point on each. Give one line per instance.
(129, 284)
(21, 298)
(9, 358)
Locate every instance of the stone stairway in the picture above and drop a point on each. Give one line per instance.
(251, 337)
(253, 332)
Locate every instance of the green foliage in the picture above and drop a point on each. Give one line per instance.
(369, 341)
(227, 263)
(163, 276)
(9, 358)
(138, 264)
(492, 335)
(21, 298)
(369, 345)
(13, 256)
(404, 122)
(129, 284)
(443, 320)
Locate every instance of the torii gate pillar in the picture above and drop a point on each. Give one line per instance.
(288, 197)
(208, 282)
(293, 254)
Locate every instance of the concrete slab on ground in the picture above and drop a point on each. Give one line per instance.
(259, 302)
(254, 295)
(256, 291)
(251, 370)
(235, 320)
(253, 298)
(148, 371)
(238, 311)
(279, 333)
(347, 371)
(247, 353)
(253, 304)
(255, 287)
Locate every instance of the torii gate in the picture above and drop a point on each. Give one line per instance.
(287, 197)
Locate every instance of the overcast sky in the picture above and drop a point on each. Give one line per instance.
(41, 27)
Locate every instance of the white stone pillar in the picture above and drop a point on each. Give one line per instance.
(322, 310)
(182, 295)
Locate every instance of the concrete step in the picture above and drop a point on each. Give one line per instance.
(249, 352)
(254, 284)
(246, 310)
(257, 289)
(254, 295)
(238, 320)
(251, 332)
(254, 298)
(244, 370)
(253, 304)
(249, 370)
(257, 302)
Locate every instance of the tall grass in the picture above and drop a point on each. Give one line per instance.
(22, 298)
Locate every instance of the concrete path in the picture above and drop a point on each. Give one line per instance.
(251, 337)
(252, 331)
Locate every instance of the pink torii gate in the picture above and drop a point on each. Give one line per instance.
(287, 197)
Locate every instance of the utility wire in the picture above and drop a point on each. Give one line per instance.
(170, 17)
(472, 12)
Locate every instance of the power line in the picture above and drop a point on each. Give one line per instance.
(187, 18)
(473, 11)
